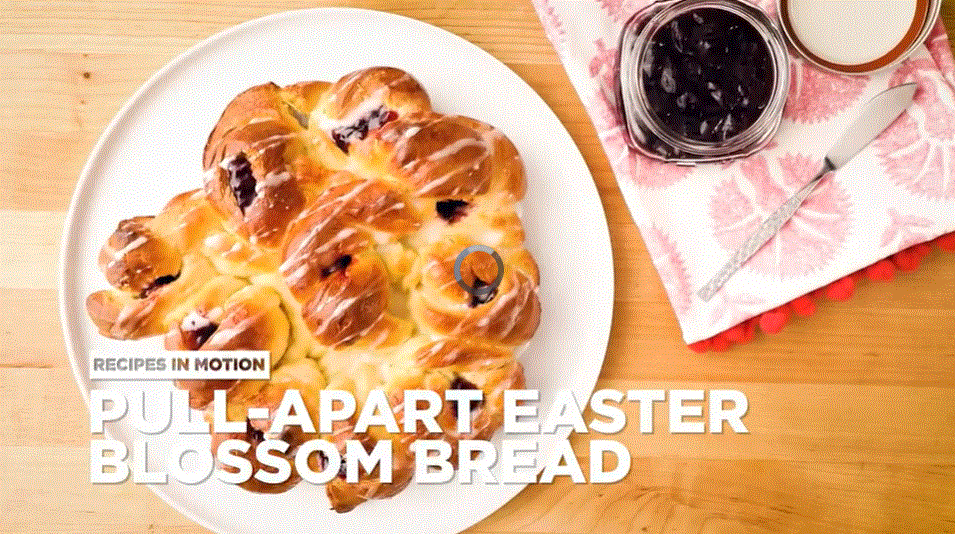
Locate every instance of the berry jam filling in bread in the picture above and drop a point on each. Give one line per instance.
(342, 469)
(241, 181)
(479, 297)
(255, 435)
(157, 283)
(340, 264)
(376, 118)
(196, 330)
(460, 382)
(452, 210)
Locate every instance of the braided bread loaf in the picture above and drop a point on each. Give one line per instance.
(326, 233)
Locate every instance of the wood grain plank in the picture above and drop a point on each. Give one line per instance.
(805, 422)
(508, 30)
(672, 495)
(30, 335)
(661, 495)
(30, 249)
(48, 490)
(43, 408)
(851, 412)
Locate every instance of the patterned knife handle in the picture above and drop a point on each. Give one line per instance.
(769, 228)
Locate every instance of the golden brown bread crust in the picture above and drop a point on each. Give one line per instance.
(394, 88)
(134, 258)
(302, 97)
(344, 496)
(509, 315)
(326, 233)
(252, 318)
(441, 156)
(460, 364)
(145, 253)
(122, 315)
(363, 101)
(303, 375)
(331, 269)
(259, 174)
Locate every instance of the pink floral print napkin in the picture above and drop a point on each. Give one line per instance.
(897, 193)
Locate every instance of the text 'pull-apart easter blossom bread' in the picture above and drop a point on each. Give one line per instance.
(326, 232)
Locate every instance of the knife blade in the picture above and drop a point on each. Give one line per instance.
(876, 116)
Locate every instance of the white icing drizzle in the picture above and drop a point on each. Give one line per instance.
(328, 124)
(194, 321)
(456, 147)
(342, 203)
(208, 175)
(131, 246)
(226, 161)
(296, 256)
(302, 269)
(376, 214)
(370, 327)
(296, 276)
(449, 151)
(136, 310)
(516, 291)
(382, 336)
(435, 349)
(262, 145)
(345, 82)
(340, 308)
(214, 241)
(399, 80)
(272, 179)
(223, 336)
(373, 102)
(515, 314)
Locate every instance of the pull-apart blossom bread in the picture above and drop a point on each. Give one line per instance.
(326, 233)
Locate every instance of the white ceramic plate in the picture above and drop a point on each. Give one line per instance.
(153, 148)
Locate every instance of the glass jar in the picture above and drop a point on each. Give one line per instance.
(657, 55)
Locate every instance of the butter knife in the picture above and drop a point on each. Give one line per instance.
(877, 115)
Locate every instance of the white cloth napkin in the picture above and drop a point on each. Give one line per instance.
(898, 192)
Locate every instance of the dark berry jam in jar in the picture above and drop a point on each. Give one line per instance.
(701, 80)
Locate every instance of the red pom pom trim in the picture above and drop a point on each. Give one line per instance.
(881, 271)
(774, 321)
(804, 306)
(841, 290)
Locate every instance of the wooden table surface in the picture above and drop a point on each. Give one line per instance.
(852, 415)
